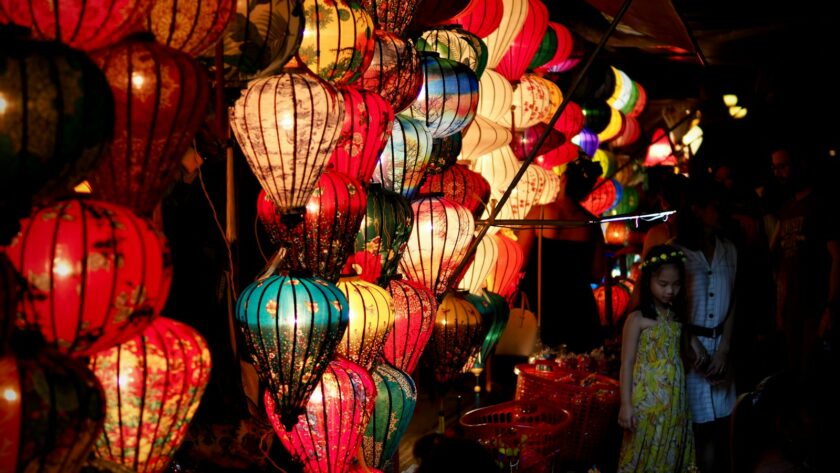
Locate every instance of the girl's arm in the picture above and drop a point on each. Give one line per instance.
(629, 347)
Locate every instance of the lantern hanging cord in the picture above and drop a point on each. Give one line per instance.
(219, 227)
(536, 223)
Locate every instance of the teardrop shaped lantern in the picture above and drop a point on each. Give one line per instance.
(483, 137)
(403, 163)
(189, 26)
(518, 55)
(494, 308)
(461, 185)
(620, 300)
(287, 126)
(368, 119)
(601, 198)
(475, 276)
(526, 139)
(456, 334)
(371, 318)
(327, 438)
(414, 313)
(391, 16)
(504, 279)
(531, 103)
(457, 45)
(96, 274)
(160, 94)
(445, 152)
(292, 326)
(153, 383)
(481, 19)
(514, 13)
(442, 232)
(495, 96)
(396, 397)
(337, 42)
(571, 120)
(587, 140)
(394, 73)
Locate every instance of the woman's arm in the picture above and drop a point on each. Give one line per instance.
(629, 347)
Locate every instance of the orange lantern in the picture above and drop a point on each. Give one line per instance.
(337, 42)
(601, 198)
(189, 26)
(616, 233)
(371, 314)
(504, 278)
(620, 299)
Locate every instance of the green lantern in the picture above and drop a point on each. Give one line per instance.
(396, 397)
(494, 312)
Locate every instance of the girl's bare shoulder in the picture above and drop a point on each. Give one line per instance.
(639, 321)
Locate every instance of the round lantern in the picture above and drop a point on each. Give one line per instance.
(546, 49)
(514, 13)
(371, 318)
(96, 274)
(189, 26)
(337, 39)
(368, 119)
(414, 313)
(596, 115)
(327, 438)
(628, 203)
(292, 326)
(494, 311)
(518, 55)
(461, 185)
(616, 233)
(486, 255)
(620, 300)
(457, 332)
(482, 137)
(504, 278)
(394, 73)
(555, 98)
(587, 140)
(442, 232)
(563, 50)
(402, 164)
(632, 98)
(614, 127)
(495, 96)
(482, 18)
(444, 154)
(396, 397)
(287, 126)
(623, 90)
(551, 188)
(153, 383)
(438, 12)
(82, 25)
(641, 101)
(160, 95)
(565, 153)
(601, 198)
(629, 134)
(570, 122)
(390, 15)
(531, 103)
(525, 141)
(457, 45)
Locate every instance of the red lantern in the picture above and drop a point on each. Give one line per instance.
(392, 16)
(481, 19)
(630, 134)
(565, 153)
(520, 52)
(414, 313)
(461, 185)
(189, 26)
(9, 294)
(524, 141)
(457, 333)
(394, 73)
(403, 163)
(620, 299)
(504, 278)
(499, 40)
(96, 273)
(438, 12)
(616, 233)
(371, 318)
(153, 383)
(565, 44)
(571, 120)
(601, 198)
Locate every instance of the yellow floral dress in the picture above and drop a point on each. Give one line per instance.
(663, 439)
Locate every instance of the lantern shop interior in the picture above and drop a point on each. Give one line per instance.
(286, 235)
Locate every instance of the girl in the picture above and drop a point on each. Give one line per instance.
(654, 409)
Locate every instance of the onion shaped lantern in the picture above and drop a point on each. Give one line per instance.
(391, 16)
(337, 42)
(189, 26)
(495, 96)
(482, 18)
(457, 45)
(494, 310)
(556, 158)
(394, 73)
(160, 94)
(475, 276)
(601, 198)
(153, 383)
(518, 55)
(287, 126)
(371, 314)
(531, 103)
(457, 333)
(526, 139)
(461, 185)
(619, 301)
(551, 188)
(629, 134)
(565, 45)
(292, 326)
(546, 50)
(414, 313)
(614, 127)
(403, 163)
(483, 137)
(514, 13)
(368, 119)
(571, 120)
(588, 141)
(504, 278)
(396, 397)
(327, 438)
(96, 274)
(445, 152)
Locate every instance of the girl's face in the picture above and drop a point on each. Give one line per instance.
(665, 284)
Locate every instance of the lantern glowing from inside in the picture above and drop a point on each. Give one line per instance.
(551, 189)
(555, 98)
(189, 26)
(601, 198)
(402, 164)
(292, 326)
(531, 102)
(546, 49)
(461, 185)
(153, 383)
(494, 311)
(96, 273)
(327, 437)
(629, 134)
(495, 96)
(456, 45)
(457, 332)
(518, 55)
(371, 314)
(445, 152)
(394, 73)
(614, 127)
(389, 15)
(571, 120)
(565, 44)
(524, 141)
(607, 161)
(486, 255)
(337, 42)
(287, 126)
(660, 149)
(628, 203)
(396, 397)
(558, 157)
(483, 137)
(588, 141)
(623, 90)
(482, 18)
(616, 233)
(620, 296)
(504, 278)
(414, 313)
(641, 102)
(514, 13)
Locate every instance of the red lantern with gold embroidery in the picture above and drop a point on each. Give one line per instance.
(414, 313)
(520, 52)
(190, 26)
(461, 185)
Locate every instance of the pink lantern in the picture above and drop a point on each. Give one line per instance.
(394, 73)
(504, 279)
(481, 19)
(520, 52)
(414, 312)
(461, 185)
(371, 318)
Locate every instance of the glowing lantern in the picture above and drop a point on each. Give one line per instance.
(616, 233)
(442, 231)
(327, 438)
(160, 94)
(641, 102)
(514, 13)
(620, 299)
(588, 141)
(565, 153)
(607, 161)
(482, 18)
(495, 96)
(629, 202)
(601, 198)
(456, 45)
(571, 120)
(495, 311)
(614, 127)
(371, 318)
(402, 164)
(565, 44)
(96, 273)
(337, 40)
(523, 47)
(483, 137)
(486, 255)
(438, 12)
(391, 16)
(596, 115)
(153, 384)
(189, 26)
(504, 278)
(623, 90)
(10, 286)
(551, 188)
(546, 49)
(531, 102)
(525, 140)
(461, 185)
(555, 98)
(287, 126)
(456, 334)
(414, 312)
(632, 98)
(629, 134)
(396, 397)
(292, 326)
(499, 168)
(445, 152)
(394, 73)
(660, 149)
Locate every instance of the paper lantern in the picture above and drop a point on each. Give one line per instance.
(402, 164)
(292, 326)
(546, 50)
(616, 233)
(475, 276)
(456, 334)
(620, 299)
(629, 134)
(160, 94)
(96, 274)
(327, 438)
(504, 278)
(189, 26)
(518, 55)
(587, 140)
(498, 41)
(551, 189)
(457, 45)
(565, 44)
(84, 25)
(414, 313)
(367, 126)
(153, 384)
(444, 154)
(390, 15)
(555, 98)
(525, 140)
(571, 120)
(461, 185)
(558, 157)
(481, 19)
(442, 231)
(495, 96)
(531, 102)
(394, 73)
(438, 12)
(641, 102)
(482, 137)
(287, 126)
(494, 311)
(601, 198)
(371, 314)
(396, 397)
(337, 40)
(53, 408)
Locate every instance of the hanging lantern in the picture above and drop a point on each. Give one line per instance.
(403, 163)
(292, 326)
(629, 134)
(514, 13)
(495, 96)
(482, 137)
(628, 172)
(504, 278)
(525, 140)
(616, 233)
(641, 102)
(391, 16)
(371, 318)
(461, 185)
(327, 438)
(394, 73)
(620, 299)
(445, 152)
(153, 383)
(481, 19)
(607, 161)
(596, 115)
(632, 98)
(518, 55)
(565, 153)
(660, 150)
(189, 26)
(414, 313)
(367, 126)
(601, 198)
(287, 126)
(588, 141)
(456, 333)
(623, 90)
(614, 127)
(96, 274)
(442, 232)
(475, 276)
(499, 168)
(10, 287)
(546, 50)
(565, 44)
(494, 311)
(439, 12)
(456, 45)
(555, 98)
(396, 397)
(628, 204)
(531, 102)
(571, 120)
(551, 189)
(619, 189)
(160, 95)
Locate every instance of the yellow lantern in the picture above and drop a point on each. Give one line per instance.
(495, 95)
(614, 126)
(371, 318)
(555, 98)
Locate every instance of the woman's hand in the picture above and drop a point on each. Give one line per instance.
(701, 358)
(716, 372)
(626, 418)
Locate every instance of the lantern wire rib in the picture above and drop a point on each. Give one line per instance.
(543, 136)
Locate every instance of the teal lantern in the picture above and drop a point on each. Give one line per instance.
(396, 397)
(494, 312)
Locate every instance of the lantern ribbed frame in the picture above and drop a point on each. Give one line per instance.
(153, 384)
(337, 42)
(458, 183)
(190, 26)
(555, 98)
(391, 16)
(371, 313)
(457, 333)
(546, 50)
(445, 152)
(483, 137)
(514, 13)
(495, 96)
(620, 301)
(482, 18)
(571, 120)
(614, 128)
(439, 12)
(587, 140)
(396, 397)
(551, 188)
(629, 134)
(494, 312)
(504, 279)
(531, 102)
(455, 45)
(518, 55)
(394, 73)
(475, 276)
(524, 140)
(641, 102)
(601, 198)
(414, 314)
(565, 44)
(405, 158)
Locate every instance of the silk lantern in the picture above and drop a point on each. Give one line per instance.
(287, 126)
(641, 102)
(160, 94)
(546, 50)
(444, 154)
(563, 50)
(391, 16)
(518, 55)
(371, 314)
(558, 157)
(482, 18)
(571, 120)
(551, 189)
(620, 300)
(402, 164)
(394, 73)
(616, 233)
(456, 334)
(189, 26)
(457, 45)
(555, 98)
(614, 127)
(525, 140)
(337, 42)
(587, 140)
(629, 134)
(601, 198)
(623, 90)
(494, 311)
(414, 313)
(495, 96)
(514, 13)
(504, 278)
(482, 137)
(632, 98)
(327, 438)
(461, 185)
(531, 102)
(438, 12)
(396, 397)
(475, 276)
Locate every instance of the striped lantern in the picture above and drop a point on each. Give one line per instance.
(570, 122)
(565, 43)
(394, 73)
(495, 96)
(414, 313)
(498, 41)
(445, 152)
(475, 276)
(371, 318)
(551, 189)
(641, 101)
(632, 98)
(499, 168)
(190, 26)
(531, 103)
(396, 397)
(457, 45)
(601, 198)
(481, 19)
(518, 55)
(483, 137)
(588, 141)
(629, 134)
(546, 50)
(403, 163)
(623, 90)
(391, 15)
(461, 185)
(457, 333)
(504, 278)
(614, 127)
(494, 310)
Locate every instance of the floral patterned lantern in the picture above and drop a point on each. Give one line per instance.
(518, 55)
(475, 276)
(96, 273)
(495, 96)
(461, 185)
(504, 279)
(514, 13)
(482, 18)
(457, 332)
(524, 141)
(414, 313)
(571, 120)
(189, 26)
(403, 163)
(327, 438)
(457, 45)
(371, 318)
(160, 95)
(620, 299)
(153, 383)
(601, 198)
(531, 102)
(483, 137)
(396, 397)
(563, 50)
(394, 73)
(445, 152)
(588, 141)
(493, 308)
(287, 126)
(555, 98)
(391, 16)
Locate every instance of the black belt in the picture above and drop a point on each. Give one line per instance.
(708, 332)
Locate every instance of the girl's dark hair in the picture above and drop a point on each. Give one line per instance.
(657, 257)
(581, 175)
